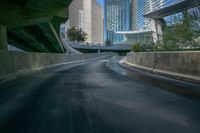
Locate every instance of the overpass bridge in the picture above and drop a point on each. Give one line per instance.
(32, 25)
(169, 7)
(172, 7)
(91, 48)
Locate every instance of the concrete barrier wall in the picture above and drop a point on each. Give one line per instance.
(6, 64)
(180, 62)
(184, 63)
(143, 59)
(12, 63)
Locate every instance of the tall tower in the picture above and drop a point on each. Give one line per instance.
(117, 18)
(87, 15)
(97, 23)
(76, 14)
(137, 16)
(134, 15)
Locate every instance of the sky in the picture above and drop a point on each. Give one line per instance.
(100, 2)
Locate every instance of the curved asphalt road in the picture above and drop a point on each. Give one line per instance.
(91, 98)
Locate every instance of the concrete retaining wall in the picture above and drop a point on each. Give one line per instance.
(6, 64)
(14, 63)
(142, 59)
(183, 65)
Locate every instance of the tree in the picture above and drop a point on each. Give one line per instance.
(76, 34)
(195, 26)
(184, 32)
(136, 47)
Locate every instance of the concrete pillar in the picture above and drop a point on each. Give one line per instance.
(3, 38)
(56, 36)
(159, 28)
(156, 27)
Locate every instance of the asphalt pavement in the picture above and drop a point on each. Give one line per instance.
(98, 97)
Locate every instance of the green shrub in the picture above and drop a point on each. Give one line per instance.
(136, 47)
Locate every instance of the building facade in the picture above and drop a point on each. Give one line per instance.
(97, 23)
(149, 17)
(127, 15)
(137, 15)
(150, 6)
(117, 18)
(76, 14)
(88, 16)
(143, 29)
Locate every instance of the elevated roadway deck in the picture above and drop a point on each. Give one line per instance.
(172, 8)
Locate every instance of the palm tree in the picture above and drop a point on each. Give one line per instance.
(76, 34)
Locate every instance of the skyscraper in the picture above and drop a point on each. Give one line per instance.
(141, 7)
(97, 23)
(87, 15)
(148, 29)
(137, 16)
(142, 29)
(127, 15)
(117, 18)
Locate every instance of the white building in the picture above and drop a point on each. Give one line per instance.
(87, 15)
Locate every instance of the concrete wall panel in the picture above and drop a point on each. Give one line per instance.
(12, 63)
(184, 64)
(5, 64)
(143, 59)
(180, 62)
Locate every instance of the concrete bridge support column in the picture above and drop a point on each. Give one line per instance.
(156, 27)
(3, 38)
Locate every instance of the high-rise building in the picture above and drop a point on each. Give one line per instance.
(117, 18)
(87, 15)
(76, 14)
(148, 29)
(137, 16)
(141, 7)
(133, 15)
(143, 29)
(127, 15)
(97, 23)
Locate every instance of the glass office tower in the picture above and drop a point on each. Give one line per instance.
(117, 18)
(139, 8)
(127, 15)
(137, 16)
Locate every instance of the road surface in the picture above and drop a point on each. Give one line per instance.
(89, 97)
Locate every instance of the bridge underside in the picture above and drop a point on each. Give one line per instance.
(32, 25)
(172, 9)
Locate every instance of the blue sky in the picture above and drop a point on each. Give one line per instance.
(100, 2)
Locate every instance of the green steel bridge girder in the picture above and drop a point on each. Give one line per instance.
(27, 22)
